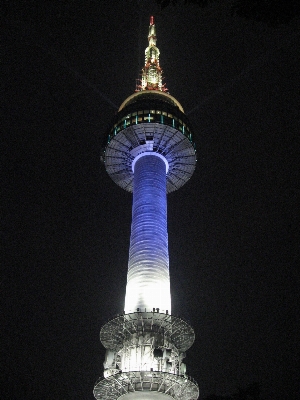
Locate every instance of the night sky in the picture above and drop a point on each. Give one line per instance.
(233, 228)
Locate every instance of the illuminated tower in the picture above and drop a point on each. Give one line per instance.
(149, 151)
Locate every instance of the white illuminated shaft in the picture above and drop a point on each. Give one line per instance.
(148, 281)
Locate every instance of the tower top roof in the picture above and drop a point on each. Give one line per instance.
(153, 94)
(152, 72)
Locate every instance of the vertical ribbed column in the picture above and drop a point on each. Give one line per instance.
(148, 281)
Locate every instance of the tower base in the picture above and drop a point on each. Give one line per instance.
(146, 385)
(173, 329)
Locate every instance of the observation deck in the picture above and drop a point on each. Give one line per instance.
(150, 121)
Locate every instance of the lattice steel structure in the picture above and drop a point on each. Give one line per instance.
(149, 151)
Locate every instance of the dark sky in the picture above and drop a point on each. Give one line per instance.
(233, 228)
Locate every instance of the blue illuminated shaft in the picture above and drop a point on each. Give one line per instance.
(148, 281)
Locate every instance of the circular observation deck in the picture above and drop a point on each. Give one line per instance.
(150, 121)
(147, 385)
(172, 329)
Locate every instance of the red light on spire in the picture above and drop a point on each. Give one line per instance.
(152, 20)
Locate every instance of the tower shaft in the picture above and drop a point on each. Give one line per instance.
(148, 282)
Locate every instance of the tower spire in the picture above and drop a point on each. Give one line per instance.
(152, 72)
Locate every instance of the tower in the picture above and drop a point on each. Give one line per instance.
(149, 151)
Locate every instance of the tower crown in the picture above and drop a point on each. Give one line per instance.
(150, 120)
